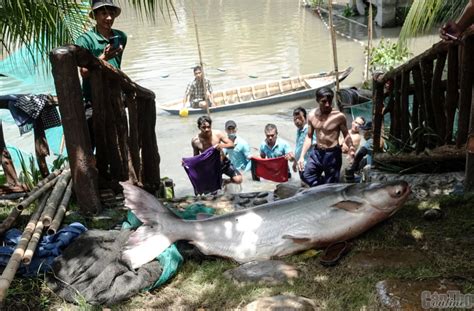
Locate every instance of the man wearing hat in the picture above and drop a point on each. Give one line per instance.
(104, 43)
(239, 155)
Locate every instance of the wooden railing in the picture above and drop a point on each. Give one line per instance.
(441, 81)
(125, 149)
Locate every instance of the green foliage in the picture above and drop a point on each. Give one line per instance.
(60, 162)
(348, 11)
(425, 15)
(387, 55)
(29, 174)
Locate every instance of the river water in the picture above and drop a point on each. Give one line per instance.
(242, 42)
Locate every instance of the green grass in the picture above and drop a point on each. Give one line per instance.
(447, 243)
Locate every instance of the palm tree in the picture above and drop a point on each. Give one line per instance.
(426, 14)
(46, 24)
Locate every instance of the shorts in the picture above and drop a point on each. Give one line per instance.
(195, 103)
(229, 169)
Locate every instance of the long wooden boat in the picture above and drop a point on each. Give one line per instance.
(264, 93)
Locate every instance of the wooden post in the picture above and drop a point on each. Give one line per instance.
(121, 126)
(419, 95)
(437, 105)
(81, 159)
(452, 93)
(334, 47)
(377, 113)
(7, 163)
(133, 144)
(395, 128)
(150, 155)
(200, 60)
(404, 111)
(465, 96)
(41, 147)
(469, 175)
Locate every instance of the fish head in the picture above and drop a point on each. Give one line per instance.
(382, 199)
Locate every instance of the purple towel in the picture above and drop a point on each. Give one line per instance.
(204, 171)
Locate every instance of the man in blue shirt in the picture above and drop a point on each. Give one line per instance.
(299, 119)
(274, 147)
(239, 156)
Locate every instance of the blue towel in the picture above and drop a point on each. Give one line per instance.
(49, 247)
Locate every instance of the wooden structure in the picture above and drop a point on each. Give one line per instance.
(126, 146)
(441, 82)
(264, 93)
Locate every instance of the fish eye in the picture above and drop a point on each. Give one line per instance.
(398, 192)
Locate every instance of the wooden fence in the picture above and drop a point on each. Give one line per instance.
(126, 147)
(441, 82)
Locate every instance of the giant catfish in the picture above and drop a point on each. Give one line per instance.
(313, 218)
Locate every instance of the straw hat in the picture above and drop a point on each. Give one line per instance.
(95, 4)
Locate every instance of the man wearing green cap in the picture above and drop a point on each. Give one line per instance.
(103, 42)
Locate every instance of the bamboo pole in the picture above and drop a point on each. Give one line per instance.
(54, 198)
(334, 47)
(61, 211)
(369, 41)
(200, 61)
(10, 270)
(37, 194)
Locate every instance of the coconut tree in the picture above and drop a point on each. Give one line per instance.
(424, 15)
(45, 24)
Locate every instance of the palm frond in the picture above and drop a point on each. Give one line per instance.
(424, 15)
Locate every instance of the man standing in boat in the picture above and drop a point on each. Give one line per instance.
(327, 154)
(199, 91)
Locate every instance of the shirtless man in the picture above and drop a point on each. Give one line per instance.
(355, 134)
(208, 138)
(327, 154)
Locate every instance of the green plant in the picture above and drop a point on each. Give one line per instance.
(348, 11)
(29, 175)
(387, 55)
(59, 162)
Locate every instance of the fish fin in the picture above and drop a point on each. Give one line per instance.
(348, 205)
(144, 245)
(202, 216)
(298, 240)
(144, 205)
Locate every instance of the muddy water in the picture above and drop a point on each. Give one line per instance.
(242, 42)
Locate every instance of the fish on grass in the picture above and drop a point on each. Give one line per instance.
(313, 218)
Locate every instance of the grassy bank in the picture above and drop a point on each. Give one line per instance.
(444, 247)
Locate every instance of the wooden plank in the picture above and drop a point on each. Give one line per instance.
(437, 104)
(404, 111)
(41, 147)
(377, 113)
(395, 128)
(427, 76)
(81, 159)
(133, 143)
(452, 93)
(467, 78)
(99, 123)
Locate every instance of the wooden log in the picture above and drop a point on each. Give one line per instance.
(10, 270)
(469, 174)
(36, 194)
(61, 211)
(55, 197)
(150, 155)
(437, 105)
(81, 159)
(404, 111)
(452, 93)
(395, 128)
(465, 96)
(7, 163)
(121, 125)
(10, 220)
(99, 122)
(41, 147)
(377, 113)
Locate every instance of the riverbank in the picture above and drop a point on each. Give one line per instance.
(407, 251)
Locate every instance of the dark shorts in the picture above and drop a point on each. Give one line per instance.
(323, 166)
(229, 169)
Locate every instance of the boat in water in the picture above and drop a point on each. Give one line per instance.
(264, 93)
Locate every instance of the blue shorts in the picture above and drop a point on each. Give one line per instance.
(327, 161)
